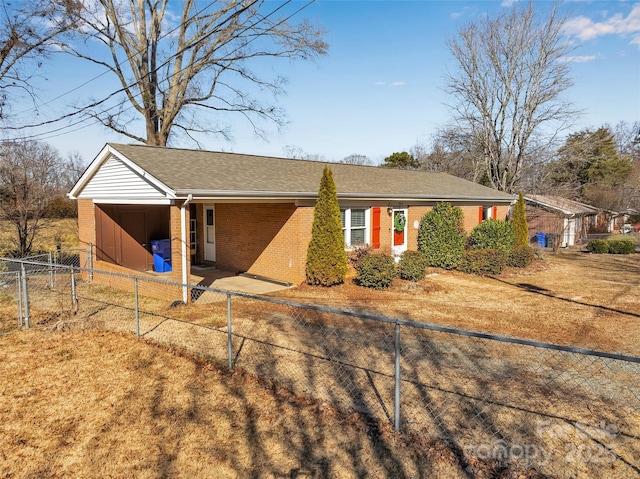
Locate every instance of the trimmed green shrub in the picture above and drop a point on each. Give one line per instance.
(376, 271)
(520, 256)
(483, 261)
(519, 222)
(326, 258)
(493, 234)
(412, 266)
(598, 246)
(441, 237)
(621, 246)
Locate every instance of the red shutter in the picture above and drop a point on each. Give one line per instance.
(375, 228)
(480, 215)
(495, 213)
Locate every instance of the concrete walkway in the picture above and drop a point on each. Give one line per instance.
(229, 281)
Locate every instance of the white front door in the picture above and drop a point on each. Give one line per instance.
(399, 229)
(209, 233)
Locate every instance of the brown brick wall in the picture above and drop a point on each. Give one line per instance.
(149, 288)
(86, 227)
(415, 214)
(263, 239)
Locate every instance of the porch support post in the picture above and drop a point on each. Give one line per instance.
(184, 242)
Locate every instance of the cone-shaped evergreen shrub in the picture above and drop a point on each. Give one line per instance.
(326, 256)
(441, 236)
(519, 221)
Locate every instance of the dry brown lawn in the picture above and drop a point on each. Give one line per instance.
(52, 232)
(571, 298)
(102, 404)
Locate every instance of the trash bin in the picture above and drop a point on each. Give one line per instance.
(551, 240)
(541, 238)
(161, 250)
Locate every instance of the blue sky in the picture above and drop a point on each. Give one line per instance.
(379, 89)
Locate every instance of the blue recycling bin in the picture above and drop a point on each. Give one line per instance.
(161, 250)
(541, 239)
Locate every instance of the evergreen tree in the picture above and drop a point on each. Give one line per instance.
(519, 221)
(402, 161)
(326, 256)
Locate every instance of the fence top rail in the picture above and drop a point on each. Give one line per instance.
(383, 319)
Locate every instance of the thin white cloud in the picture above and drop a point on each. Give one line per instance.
(395, 83)
(464, 11)
(579, 59)
(508, 3)
(586, 29)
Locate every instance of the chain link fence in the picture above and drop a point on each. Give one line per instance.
(506, 402)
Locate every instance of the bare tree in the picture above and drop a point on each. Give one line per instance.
(71, 170)
(356, 159)
(296, 153)
(29, 179)
(511, 72)
(627, 138)
(451, 152)
(29, 30)
(172, 63)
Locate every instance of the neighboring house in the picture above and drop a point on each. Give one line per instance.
(247, 213)
(567, 221)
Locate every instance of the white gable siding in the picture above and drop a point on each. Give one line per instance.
(117, 181)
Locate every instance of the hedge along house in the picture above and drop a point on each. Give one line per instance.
(250, 214)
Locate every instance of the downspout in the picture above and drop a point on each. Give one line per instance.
(183, 232)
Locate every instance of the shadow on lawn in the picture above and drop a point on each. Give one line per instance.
(531, 288)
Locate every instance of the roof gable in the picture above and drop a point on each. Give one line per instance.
(112, 177)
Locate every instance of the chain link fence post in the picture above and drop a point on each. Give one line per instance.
(50, 270)
(137, 306)
(25, 301)
(229, 332)
(19, 294)
(396, 412)
(74, 296)
(90, 262)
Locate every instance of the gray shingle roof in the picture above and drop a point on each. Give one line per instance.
(205, 172)
(565, 205)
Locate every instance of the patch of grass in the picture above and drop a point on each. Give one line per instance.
(52, 233)
(571, 298)
(117, 407)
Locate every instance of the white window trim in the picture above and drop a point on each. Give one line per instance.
(487, 213)
(347, 226)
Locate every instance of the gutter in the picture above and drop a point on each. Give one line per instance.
(210, 195)
(183, 233)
